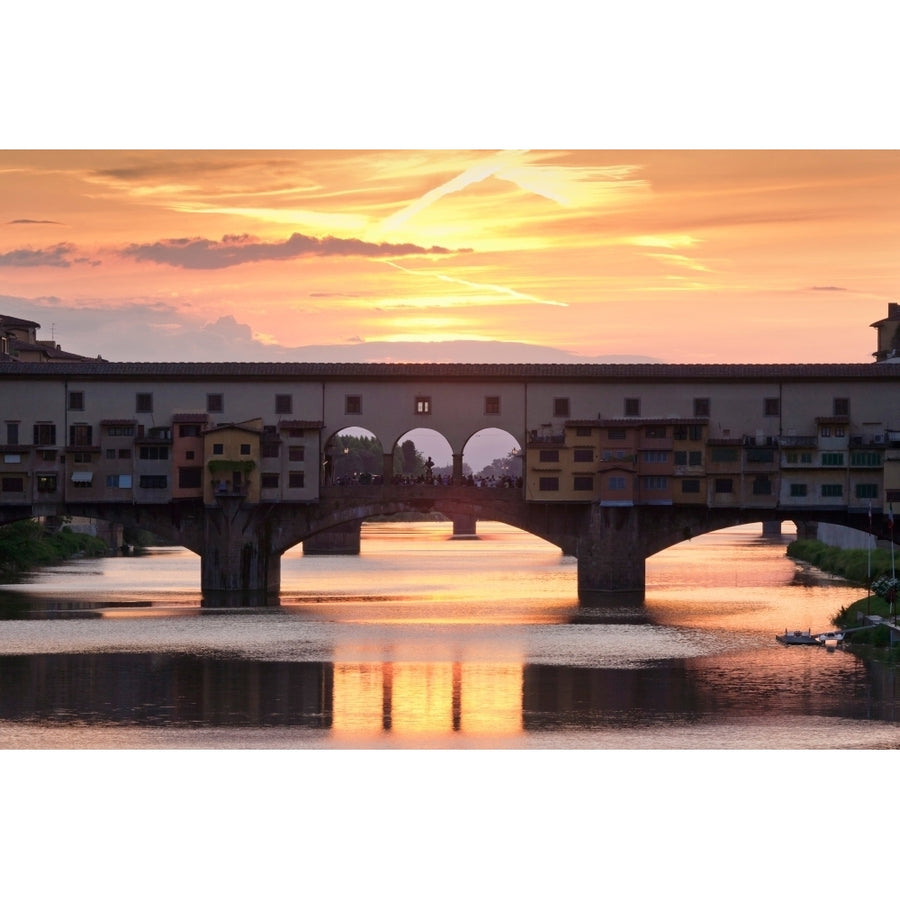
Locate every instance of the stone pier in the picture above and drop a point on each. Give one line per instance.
(610, 557)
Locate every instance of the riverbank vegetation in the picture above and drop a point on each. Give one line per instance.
(25, 545)
(854, 565)
(849, 564)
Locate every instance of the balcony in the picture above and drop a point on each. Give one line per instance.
(797, 440)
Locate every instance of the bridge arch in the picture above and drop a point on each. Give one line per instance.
(495, 449)
(352, 455)
(431, 446)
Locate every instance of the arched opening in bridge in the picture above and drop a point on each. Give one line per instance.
(423, 455)
(352, 456)
(493, 456)
(740, 582)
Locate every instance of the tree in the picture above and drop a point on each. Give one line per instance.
(411, 460)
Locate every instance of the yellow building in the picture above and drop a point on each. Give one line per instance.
(231, 455)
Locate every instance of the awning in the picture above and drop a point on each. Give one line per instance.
(83, 477)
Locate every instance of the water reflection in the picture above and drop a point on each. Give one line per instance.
(430, 642)
(426, 699)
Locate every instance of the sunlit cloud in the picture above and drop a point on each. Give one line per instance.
(59, 256)
(570, 186)
(668, 241)
(678, 260)
(235, 250)
(33, 222)
(509, 293)
(578, 186)
(478, 172)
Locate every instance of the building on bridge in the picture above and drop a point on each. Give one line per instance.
(189, 439)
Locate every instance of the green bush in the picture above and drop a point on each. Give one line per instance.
(849, 564)
(25, 546)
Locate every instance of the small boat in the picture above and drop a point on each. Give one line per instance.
(796, 637)
(831, 638)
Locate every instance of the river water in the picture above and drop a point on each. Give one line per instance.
(427, 643)
(424, 641)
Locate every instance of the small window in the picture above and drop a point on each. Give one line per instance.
(269, 480)
(423, 406)
(189, 431)
(548, 484)
(798, 490)
(353, 405)
(76, 399)
(215, 403)
(153, 452)
(561, 407)
(583, 455)
(46, 483)
(866, 491)
(118, 481)
(583, 431)
(695, 458)
(832, 490)
(284, 404)
(832, 459)
(12, 432)
(655, 482)
(723, 486)
(218, 449)
(143, 403)
(296, 453)
(632, 406)
(12, 485)
(296, 479)
(841, 406)
(154, 482)
(655, 431)
(583, 483)
(270, 449)
(724, 454)
(771, 406)
(616, 482)
(762, 486)
(188, 454)
(701, 407)
(245, 449)
(80, 435)
(616, 434)
(44, 433)
(681, 457)
(492, 406)
(549, 455)
(690, 486)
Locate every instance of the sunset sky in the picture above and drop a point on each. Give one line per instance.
(674, 256)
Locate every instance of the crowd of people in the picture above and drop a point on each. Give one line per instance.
(489, 481)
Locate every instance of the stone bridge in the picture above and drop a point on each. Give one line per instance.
(240, 545)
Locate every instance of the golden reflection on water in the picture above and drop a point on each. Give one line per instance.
(415, 698)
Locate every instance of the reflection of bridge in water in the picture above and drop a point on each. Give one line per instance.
(358, 699)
